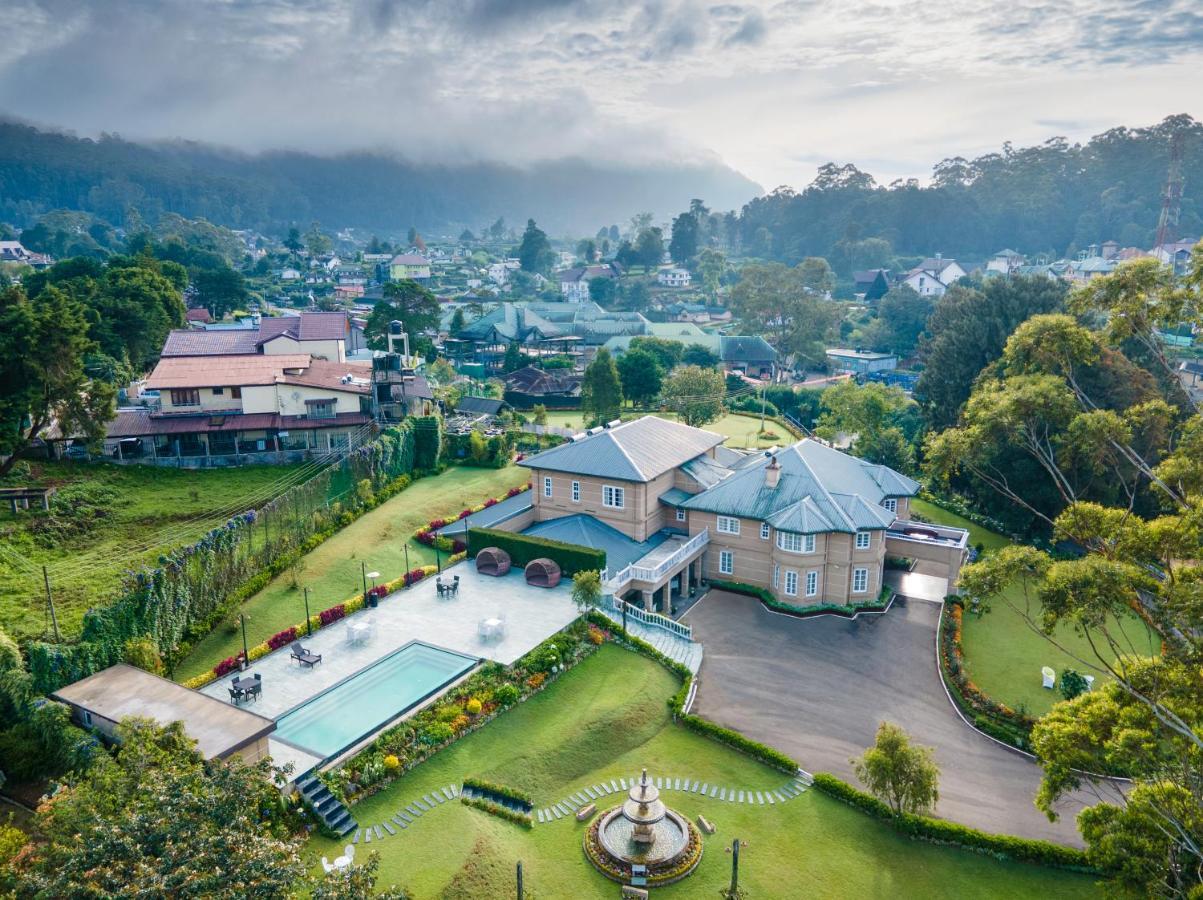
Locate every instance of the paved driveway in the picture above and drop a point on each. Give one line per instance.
(817, 689)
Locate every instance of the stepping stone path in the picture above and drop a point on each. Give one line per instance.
(575, 801)
(407, 816)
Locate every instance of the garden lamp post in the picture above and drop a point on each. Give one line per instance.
(438, 560)
(733, 891)
(308, 624)
(372, 600)
(519, 879)
(363, 570)
(245, 652)
(405, 547)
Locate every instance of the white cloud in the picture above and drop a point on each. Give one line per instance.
(774, 87)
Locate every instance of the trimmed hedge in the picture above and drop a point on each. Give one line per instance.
(676, 703)
(501, 812)
(766, 597)
(499, 790)
(571, 558)
(941, 831)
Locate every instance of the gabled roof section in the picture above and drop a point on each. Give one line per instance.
(819, 489)
(308, 326)
(640, 450)
(746, 347)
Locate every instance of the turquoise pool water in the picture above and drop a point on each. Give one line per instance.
(353, 709)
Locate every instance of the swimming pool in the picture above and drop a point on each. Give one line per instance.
(354, 708)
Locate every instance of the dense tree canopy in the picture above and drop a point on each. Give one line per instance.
(695, 394)
(411, 303)
(601, 389)
(785, 305)
(1142, 542)
(535, 253)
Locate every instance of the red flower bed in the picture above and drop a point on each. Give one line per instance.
(333, 614)
(413, 576)
(458, 546)
(380, 591)
(280, 638)
(227, 665)
(464, 513)
(492, 501)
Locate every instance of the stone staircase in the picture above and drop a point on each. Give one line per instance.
(673, 646)
(329, 808)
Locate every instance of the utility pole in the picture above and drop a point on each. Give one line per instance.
(50, 602)
(762, 408)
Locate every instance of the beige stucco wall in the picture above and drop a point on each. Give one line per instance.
(835, 557)
(289, 399)
(333, 350)
(632, 520)
(209, 402)
(254, 751)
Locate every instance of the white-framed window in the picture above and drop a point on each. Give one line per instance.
(791, 582)
(795, 543)
(776, 577)
(613, 497)
(891, 504)
(680, 515)
(86, 717)
(812, 583)
(727, 525)
(547, 486)
(726, 562)
(576, 492)
(764, 531)
(863, 539)
(860, 580)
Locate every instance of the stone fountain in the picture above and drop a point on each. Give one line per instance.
(643, 841)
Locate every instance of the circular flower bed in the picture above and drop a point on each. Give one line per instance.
(657, 876)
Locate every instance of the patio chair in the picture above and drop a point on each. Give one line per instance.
(256, 689)
(1050, 677)
(304, 657)
(235, 695)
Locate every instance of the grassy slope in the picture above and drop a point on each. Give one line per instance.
(333, 571)
(1003, 655)
(607, 718)
(90, 567)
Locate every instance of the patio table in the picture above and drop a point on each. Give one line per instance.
(358, 632)
(491, 628)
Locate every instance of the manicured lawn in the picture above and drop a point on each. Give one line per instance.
(333, 571)
(154, 509)
(607, 718)
(1004, 655)
(739, 430)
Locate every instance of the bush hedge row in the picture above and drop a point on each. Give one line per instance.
(766, 597)
(524, 548)
(501, 812)
(941, 831)
(499, 790)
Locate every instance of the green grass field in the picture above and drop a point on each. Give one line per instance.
(333, 571)
(607, 718)
(155, 509)
(740, 431)
(1003, 655)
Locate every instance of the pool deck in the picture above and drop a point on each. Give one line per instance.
(415, 614)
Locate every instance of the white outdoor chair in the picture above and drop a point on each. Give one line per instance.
(1050, 677)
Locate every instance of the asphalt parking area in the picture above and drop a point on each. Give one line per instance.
(817, 688)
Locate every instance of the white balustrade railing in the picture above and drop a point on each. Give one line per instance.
(651, 574)
(653, 619)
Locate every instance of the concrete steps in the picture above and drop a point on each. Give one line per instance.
(674, 647)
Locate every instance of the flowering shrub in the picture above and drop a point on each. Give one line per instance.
(464, 513)
(507, 694)
(333, 614)
(596, 636)
(473, 707)
(459, 723)
(458, 546)
(391, 762)
(280, 638)
(227, 665)
(536, 681)
(438, 733)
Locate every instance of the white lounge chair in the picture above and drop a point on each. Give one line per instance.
(1050, 677)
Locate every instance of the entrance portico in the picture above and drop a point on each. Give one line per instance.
(664, 574)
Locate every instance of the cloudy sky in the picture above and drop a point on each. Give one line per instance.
(772, 88)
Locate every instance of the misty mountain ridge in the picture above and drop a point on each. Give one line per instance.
(41, 170)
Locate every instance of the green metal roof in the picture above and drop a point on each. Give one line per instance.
(632, 451)
(820, 489)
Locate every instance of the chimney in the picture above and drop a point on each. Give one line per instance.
(772, 473)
